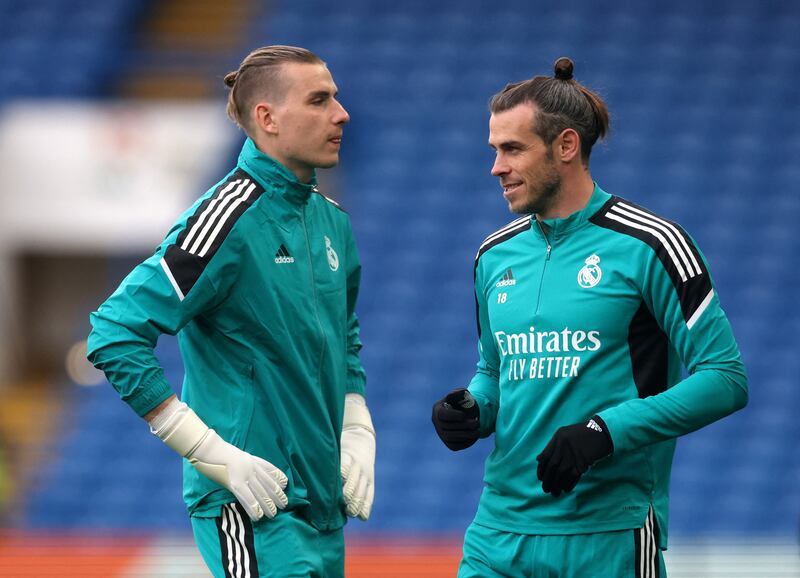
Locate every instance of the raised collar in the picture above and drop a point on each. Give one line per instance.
(559, 227)
(278, 181)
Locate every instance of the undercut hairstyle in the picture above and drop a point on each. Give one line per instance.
(259, 77)
(561, 102)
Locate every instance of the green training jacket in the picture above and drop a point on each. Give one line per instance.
(259, 281)
(596, 313)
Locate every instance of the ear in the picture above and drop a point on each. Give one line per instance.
(264, 119)
(568, 145)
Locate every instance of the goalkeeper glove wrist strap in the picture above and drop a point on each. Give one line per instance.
(178, 426)
(356, 413)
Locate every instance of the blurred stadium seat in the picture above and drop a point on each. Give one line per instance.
(706, 131)
(63, 48)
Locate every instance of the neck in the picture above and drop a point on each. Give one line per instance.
(303, 173)
(576, 190)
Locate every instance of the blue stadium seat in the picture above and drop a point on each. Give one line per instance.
(63, 48)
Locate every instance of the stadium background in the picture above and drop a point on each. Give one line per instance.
(112, 121)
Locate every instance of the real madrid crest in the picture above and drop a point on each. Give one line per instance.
(333, 258)
(591, 273)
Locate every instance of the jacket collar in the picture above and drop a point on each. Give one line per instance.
(280, 184)
(559, 227)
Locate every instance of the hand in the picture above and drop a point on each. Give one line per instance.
(257, 484)
(570, 453)
(358, 458)
(456, 418)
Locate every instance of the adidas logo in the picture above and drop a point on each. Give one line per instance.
(594, 425)
(282, 256)
(507, 280)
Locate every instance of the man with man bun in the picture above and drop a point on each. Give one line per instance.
(588, 306)
(259, 280)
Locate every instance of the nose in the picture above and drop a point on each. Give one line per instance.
(500, 167)
(341, 116)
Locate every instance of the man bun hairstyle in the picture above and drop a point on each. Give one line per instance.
(561, 103)
(259, 78)
(230, 78)
(564, 68)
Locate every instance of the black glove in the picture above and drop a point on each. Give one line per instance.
(572, 450)
(457, 419)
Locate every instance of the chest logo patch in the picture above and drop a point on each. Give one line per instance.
(591, 273)
(333, 258)
(282, 256)
(507, 280)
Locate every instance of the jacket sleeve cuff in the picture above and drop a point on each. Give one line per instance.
(356, 385)
(152, 394)
(488, 412)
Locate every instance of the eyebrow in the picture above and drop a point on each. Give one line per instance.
(321, 94)
(508, 145)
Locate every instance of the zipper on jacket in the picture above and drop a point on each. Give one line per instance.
(336, 482)
(544, 266)
(314, 295)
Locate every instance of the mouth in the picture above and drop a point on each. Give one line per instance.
(337, 140)
(510, 188)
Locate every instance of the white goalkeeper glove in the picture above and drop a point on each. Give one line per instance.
(358, 457)
(256, 483)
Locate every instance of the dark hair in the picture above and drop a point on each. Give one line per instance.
(561, 103)
(259, 76)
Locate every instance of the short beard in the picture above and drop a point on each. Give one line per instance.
(548, 195)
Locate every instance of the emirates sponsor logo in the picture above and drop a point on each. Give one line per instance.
(534, 341)
(545, 354)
